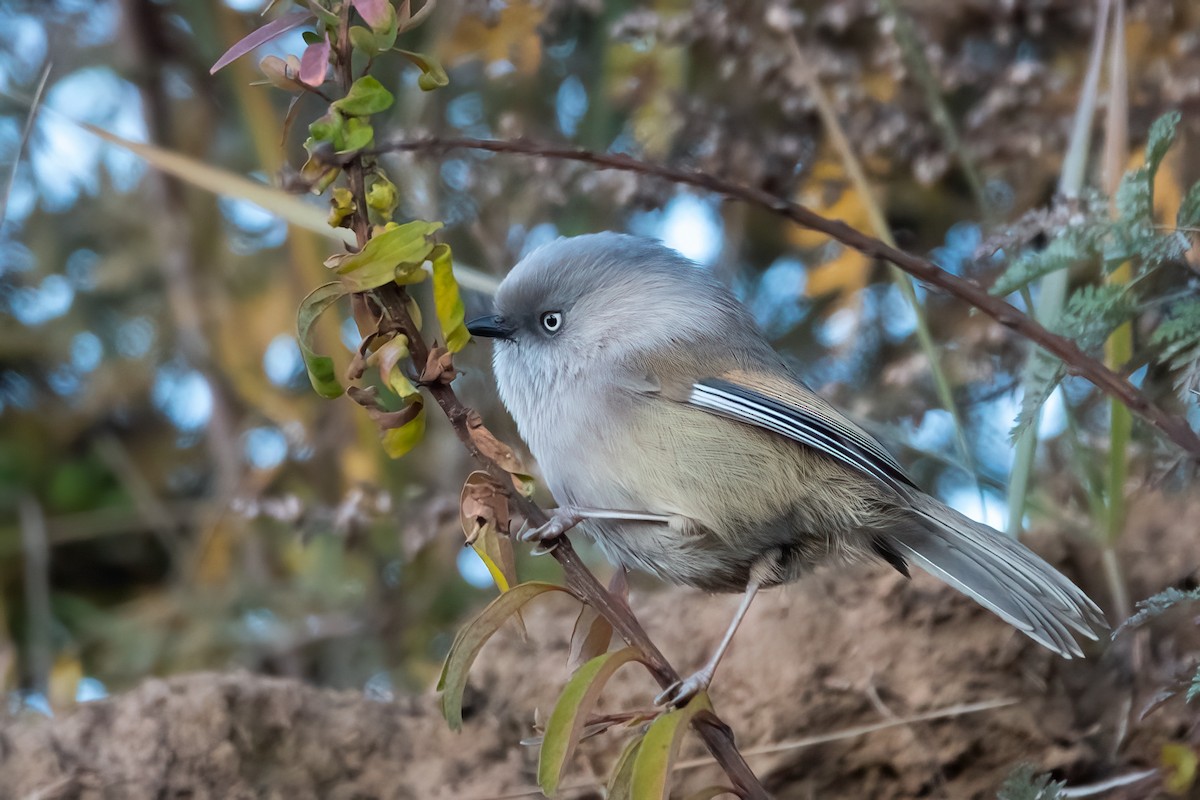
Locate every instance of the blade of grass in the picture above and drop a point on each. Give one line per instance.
(26, 132)
(229, 184)
(854, 169)
(1119, 348)
(1052, 290)
(914, 56)
(222, 182)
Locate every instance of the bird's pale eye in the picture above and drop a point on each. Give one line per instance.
(552, 321)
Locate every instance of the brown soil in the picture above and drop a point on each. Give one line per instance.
(843, 649)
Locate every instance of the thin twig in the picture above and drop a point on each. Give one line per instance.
(26, 132)
(1077, 362)
(1100, 787)
(802, 742)
(958, 710)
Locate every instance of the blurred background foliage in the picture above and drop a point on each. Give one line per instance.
(174, 497)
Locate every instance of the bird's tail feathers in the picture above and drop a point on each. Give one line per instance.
(1002, 575)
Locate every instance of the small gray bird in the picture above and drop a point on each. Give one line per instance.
(666, 425)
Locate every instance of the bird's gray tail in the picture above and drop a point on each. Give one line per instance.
(1001, 574)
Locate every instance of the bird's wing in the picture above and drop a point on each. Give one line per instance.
(779, 403)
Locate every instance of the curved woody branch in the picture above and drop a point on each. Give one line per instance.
(1077, 362)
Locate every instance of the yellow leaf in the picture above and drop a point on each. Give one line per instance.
(829, 192)
(448, 302)
(880, 85)
(511, 35)
(1179, 766)
(480, 548)
(64, 680)
(398, 441)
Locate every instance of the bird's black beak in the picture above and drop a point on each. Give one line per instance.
(492, 327)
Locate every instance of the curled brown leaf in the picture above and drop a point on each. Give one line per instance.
(368, 398)
(483, 502)
(439, 367)
(491, 447)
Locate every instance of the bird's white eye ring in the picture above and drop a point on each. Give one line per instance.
(552, 321)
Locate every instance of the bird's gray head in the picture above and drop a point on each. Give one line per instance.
(571, 314)
(605, 296)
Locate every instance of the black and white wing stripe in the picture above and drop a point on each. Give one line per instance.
(812, 426)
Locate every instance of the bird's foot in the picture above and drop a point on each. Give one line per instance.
(679, 693)
(561, 520)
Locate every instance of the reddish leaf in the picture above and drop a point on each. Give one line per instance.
(373, 12)
(315, 63)
(273, 29)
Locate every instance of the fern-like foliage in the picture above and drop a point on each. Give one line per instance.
(1178, 340)
(1156, 605)
(1025, 784)
(1105, 241)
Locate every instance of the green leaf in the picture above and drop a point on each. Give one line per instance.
(471, 639)
(367, 96)
(388, 359)
(320, 368)
(1159, 141)
(1188, 217)
(326, 129)
(364, 41)
(1178, 340)
(432, 74)
(1042, 376)
(446, 299)
(652, 767)
(398, 441)
(327, 17)
(385, 255)
(570, 713)
(1025, 784)
(358, 135)
(1156, 605)
(620, 782)
(382, 34)
(382, 197)
(1193, 690)
(341, 205)
(1074, 245)
(1094, 312)
(1134, 198)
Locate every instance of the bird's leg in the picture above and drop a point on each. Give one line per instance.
(563, 518)
(680, 692)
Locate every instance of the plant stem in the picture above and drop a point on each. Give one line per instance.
(717, 736)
